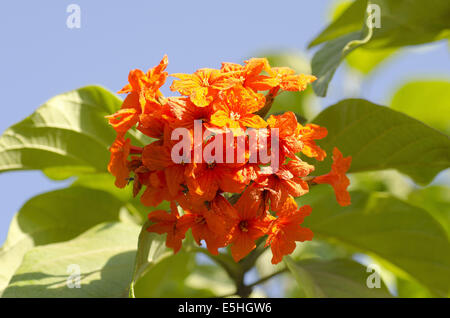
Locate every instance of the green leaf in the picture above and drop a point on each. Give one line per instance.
(410, 289)
(104, 255)
(105, 182)
(302, 103)
(410, 22)
(341, 278)
(387, 228)
(428, 101)
(363, 60)
(212, 278)
(54, 217)
(402, 22)
(168, 278)
(151, 250)
(66, 136)
(327, 59)
(380, 138)
(436, 200)
(348, 21)
(158, 272)
(304, 279)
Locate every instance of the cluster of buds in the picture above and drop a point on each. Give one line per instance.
(230, 175)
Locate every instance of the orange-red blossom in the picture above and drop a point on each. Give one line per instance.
(223, 204)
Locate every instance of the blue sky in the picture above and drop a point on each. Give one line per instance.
(40, 57)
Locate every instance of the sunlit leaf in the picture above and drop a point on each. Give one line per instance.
(428, 101)
(333, 278)
(54, 217)
(104, 254)
(380, 138)
(403, 22)
(394, 23)
(161, 273)
(151, 250)
(329, 57)
(105, 182)
(436, 200)
(66, 136)
(387, 228)
(347, 21)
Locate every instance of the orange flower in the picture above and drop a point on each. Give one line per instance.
(290, 141)
(157, 189)
(289, 81)
(127, 116)
(168, 223)
(144, 91)
(249, 75)
(209, 224)
(157, 156)
(337, 178)
(232, 160)
(202, 86)
(155, 120)
(308, 134)
(249, 224)
(286, 181)
(185, 112)
(146, 85)
(286, 230)
(118, 164)
(235, 108)
(205, 179)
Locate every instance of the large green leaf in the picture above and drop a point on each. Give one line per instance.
(151, 250)
(105, 182)
(363, 60)
(380, 138)
(333, 278)
(104, 254)
(347, 21)
(384, 227)
(54, 217)
(436, 200)
(403, 22)
(428, 101)
(210, 277)
(66, 136)
(410, 289)
(158, 272)
(168, 278)
(411, 22)
(329, 57)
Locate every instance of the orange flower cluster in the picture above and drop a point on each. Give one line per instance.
(223, 204)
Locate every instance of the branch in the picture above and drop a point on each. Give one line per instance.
(264, 279)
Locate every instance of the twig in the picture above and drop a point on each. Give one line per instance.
(264, 279)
